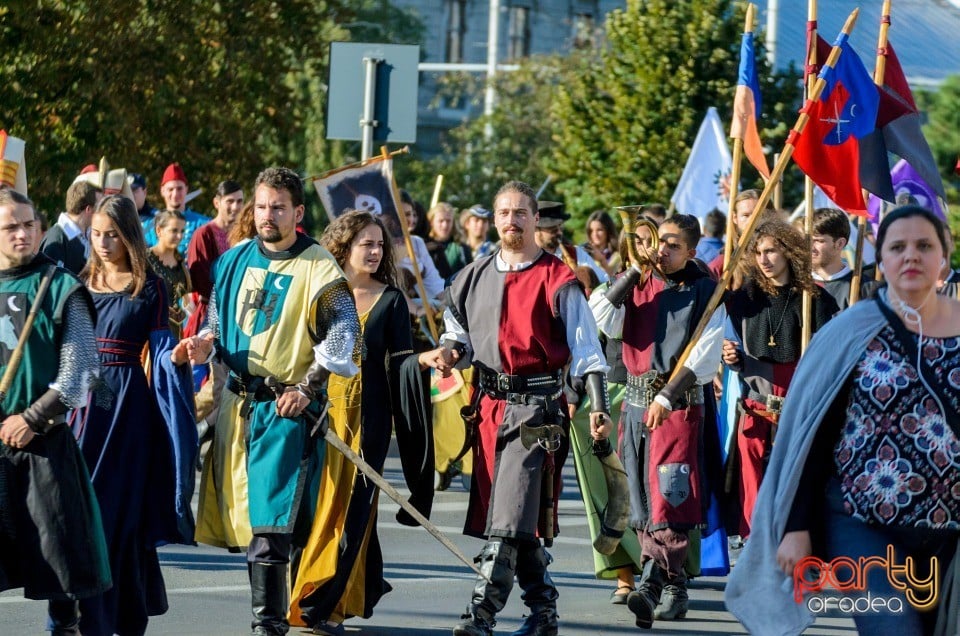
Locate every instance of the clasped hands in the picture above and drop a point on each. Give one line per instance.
(195, 350)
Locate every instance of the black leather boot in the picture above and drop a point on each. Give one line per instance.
(539, 592)
(498, 562)
(643, 602)
(674, 601)
(64, 618)
(270, 596)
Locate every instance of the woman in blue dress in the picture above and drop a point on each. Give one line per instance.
(140, 451)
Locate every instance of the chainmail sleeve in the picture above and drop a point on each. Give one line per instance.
(79, 360)
(213, 315)
(339, 345)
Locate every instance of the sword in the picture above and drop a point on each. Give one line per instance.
(381, 483)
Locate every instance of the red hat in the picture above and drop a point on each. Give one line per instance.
(89, 168)
(173, 173)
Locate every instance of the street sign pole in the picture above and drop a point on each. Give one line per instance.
(367, 122)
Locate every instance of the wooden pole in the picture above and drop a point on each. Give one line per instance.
(360, 164)
(806, 306)
(879, 70)
(777, 188)
(737, 161)
(778, 169)
(421, 289)
(435, 199)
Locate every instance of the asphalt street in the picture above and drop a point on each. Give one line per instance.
(208, 592)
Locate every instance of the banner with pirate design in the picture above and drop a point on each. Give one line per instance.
(367, 187)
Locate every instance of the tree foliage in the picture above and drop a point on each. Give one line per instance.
(613, 125)
(627, 122)
(474, 163)
(224, 87)
(942, 129)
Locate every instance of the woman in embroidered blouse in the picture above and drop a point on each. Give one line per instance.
(884, 468)
(166, 261)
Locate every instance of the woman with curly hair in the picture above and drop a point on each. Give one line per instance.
(341, 569)
(767, 318)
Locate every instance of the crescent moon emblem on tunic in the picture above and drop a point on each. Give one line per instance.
(12, 305)
(853, 108)
(277, 284)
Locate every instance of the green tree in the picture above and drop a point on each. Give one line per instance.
(942, 129)
(474, 163)
(626, 122)
(610, 125)
(225, 88)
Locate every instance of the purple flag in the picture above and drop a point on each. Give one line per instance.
(906, 181)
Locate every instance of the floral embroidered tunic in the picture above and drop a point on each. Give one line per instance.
(897, 457)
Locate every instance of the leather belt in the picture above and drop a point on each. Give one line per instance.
(643, 388)
(253, 388)
(521, 389)
(774, 403)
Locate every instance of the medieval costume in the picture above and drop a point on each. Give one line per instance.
(207, 244)
(51, 537)
(520, 327)
(141, 452)
(287, 315)
(838, 286)
(655, 320)
(449, 257)
(341, 567)
(861, 390)
(768, 329)
(590, 476)
(177, 282)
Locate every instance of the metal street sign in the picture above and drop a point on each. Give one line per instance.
(373, 89)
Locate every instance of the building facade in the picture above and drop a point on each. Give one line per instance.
(456, 31)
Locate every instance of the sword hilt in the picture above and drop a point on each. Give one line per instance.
(274, 385)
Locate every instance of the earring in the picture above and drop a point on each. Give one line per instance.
(943, 262)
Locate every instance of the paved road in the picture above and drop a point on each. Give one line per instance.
(208, 591)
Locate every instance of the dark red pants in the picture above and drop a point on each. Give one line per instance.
(754, 441)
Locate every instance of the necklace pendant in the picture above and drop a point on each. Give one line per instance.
(772, 342)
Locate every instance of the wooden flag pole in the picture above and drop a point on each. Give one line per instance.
(421, 289)
(737, 160)
(879, 70)
(777, 173)
(435, 199)
(360, 164)
(806, 307)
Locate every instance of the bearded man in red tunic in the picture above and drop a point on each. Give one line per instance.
(519, 316)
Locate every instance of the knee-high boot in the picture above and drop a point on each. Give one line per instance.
(64, 618)
(539, 592)
(270, 598)
(498, 562)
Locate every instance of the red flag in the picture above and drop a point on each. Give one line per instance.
(828, 150)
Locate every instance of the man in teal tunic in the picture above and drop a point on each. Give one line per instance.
(280, 307)
(51, 539)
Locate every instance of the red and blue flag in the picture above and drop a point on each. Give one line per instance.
(828, 150)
